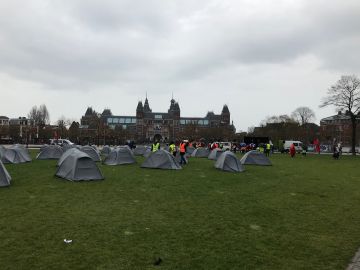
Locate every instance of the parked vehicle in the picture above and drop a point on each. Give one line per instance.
(297, 144)
(226, 145)
(60, 142)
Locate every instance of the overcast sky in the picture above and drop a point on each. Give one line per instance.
(261, 58)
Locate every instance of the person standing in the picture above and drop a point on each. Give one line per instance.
(234, 148)
(292, 150)
(182, 147)
(268, 148)
(172, 149)
(155, 146)
(317, 145)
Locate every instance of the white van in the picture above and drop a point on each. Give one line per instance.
(60, 142)
(226, 145)
(297, 144)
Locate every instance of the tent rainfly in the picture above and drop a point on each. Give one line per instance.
(140, 150)
(147, 153)
(106, 150)
(16, 154)
(228, 161)
(43, 146)
(215, 153)
(120, 156)
(50, 152)
(161, 159)
(255, 158)
(78, 166)
(66, 147)
(94, 154)
(5, 178)
(66, 154)
(94, 146)
(190, 150)
(200, 152)
(2, 151)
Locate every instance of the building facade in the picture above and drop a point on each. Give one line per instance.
(147, 125)
(19, 129)
(339, 127)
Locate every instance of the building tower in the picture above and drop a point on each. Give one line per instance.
(139, 122)
(174, 114)
(225, 115)
(146, 106)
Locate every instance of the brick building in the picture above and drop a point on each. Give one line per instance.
(146, 125)
(338, 126)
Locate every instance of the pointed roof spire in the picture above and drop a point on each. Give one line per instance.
(146, 105)
(139, 106)
(225, 110)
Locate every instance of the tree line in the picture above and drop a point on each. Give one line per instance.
(297, 126)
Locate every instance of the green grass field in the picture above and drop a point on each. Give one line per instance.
(301, 213)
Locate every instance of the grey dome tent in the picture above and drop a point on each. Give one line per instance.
(4, 176)
(190, 150)
(105, 150)
(119, 156)
(215, 153)
(66, 147)
(78, 166)
(94, 154)
(50, 152)
(161, 159)
(228, 161)
(255, 158)
(16, 154)
(2, 151)
(147, 153)
(200, 152)
(140, 150)
(94, 146)
(43, 146)
(66, 154)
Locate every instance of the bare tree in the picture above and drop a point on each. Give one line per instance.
(45, 116)
(40, 115)
(345, 95)
(303, 115)
(64, 122)
(284, 118)
(34, 114)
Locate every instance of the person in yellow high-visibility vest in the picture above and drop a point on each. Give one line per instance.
(268, 148)
(172, 148)
(155, 146)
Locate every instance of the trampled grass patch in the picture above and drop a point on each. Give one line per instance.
(301, 213)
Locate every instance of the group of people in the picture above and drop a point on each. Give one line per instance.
(265, 148)
(173, 150)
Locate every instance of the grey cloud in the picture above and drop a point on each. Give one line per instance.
(181, 46)
(97, 41)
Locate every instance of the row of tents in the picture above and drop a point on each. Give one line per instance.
(79, 163)
(14, 154)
